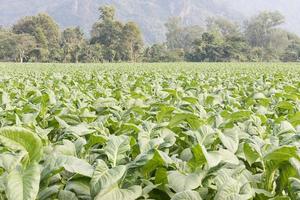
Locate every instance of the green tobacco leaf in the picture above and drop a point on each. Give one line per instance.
(285, 105)
(250, 154)
(104, 184)
(187, 181)
(80, 186)
(69, 163)
(193, 120)
(230, 140)
(49, 192)
(105, 178)
(274, 160)
(22, 139)
(240, 115)
(131, 193)
(286, 127)
(283, 153)
(231, 191)
(116, 148)
(8, 160)
(296, 164)
(187, 195)
(66, 195)
(294, 188)
(213, 158)
(157, 159)
(23, 184)
(198, 158)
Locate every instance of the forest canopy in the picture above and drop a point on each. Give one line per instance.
(260, 38)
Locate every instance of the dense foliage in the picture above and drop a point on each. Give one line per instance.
(39, 39)
(160, 131)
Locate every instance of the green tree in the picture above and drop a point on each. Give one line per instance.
(118, 41)
(8, 46)
(259, 28)
(223, 27)
(131, 42)
(45, 31)
(91, 53)
(208, 49)
(16, 47)
(160, 53)
(72, 42)
(25, 44)
(107, 32)
(179, 36)
(291, 53)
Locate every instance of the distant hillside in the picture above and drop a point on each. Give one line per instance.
(149, 14)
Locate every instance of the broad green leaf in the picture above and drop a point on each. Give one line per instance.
(154, 160)
(187, 195)
(23, 184)
(240, 115)
(80, 186)
(286, 127)
(250, 153)
(231, 191)
(69, 163)
(131, 193)
(22, 139)
(294, 188)
(9, 161)
(48, 192)
(116, 148)
(187, 181)
(213, 158)
(66, 195)
(230, 140)
(193, 120)
(285, 105)
(282, 153)
(104, 178)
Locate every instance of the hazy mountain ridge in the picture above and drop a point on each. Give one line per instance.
(150, 15)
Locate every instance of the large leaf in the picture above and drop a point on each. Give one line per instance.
(66, 195)
(22, 139)
(104, 178)
(213, 158)
(231, 191)
(69, 163)
(116, 193)
(187, 195)
(280, 154)
(294, 188)
(187, 181)
(230, 140)
(116, 148)
(250, 153)
(193, 120)
(23, 184)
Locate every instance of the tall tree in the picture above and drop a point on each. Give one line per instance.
(259, 28)
(107, 32)
(119, 41)
(16, 47)
(8, 46)
(131, 42)
(179, 36)
(223, 26)
(72, 43)
(45, 31)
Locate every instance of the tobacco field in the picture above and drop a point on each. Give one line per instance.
(150, 131)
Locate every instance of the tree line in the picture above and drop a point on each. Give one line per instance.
(260, 38)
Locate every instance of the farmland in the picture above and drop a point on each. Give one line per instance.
(150, 131)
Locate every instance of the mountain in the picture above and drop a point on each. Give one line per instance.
(149, 14)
